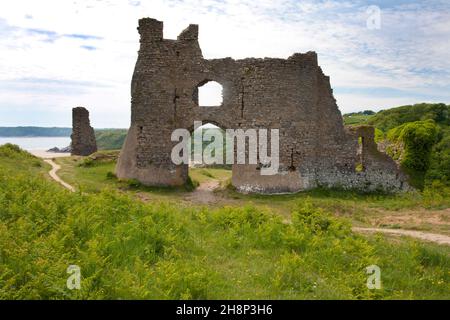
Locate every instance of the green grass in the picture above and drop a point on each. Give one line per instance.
(354, 205)
(357, 119)
(13, 158)
(128, 249)
(94, 175)
(95, 172)
(87, 178)
(207, 174)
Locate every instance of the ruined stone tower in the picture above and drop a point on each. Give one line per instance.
(83, 137)
(292, 95)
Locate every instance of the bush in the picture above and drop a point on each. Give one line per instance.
(379, 135)
(440, 161)
(412, 144)
(191, 184)
(87, 162)
(111, 175)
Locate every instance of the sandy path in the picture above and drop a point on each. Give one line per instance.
(52, 173)
(433, 237)
(204, 193)
(48, 155)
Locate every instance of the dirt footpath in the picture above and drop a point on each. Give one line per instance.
(204, 193)
(432, 237)
(52, 173)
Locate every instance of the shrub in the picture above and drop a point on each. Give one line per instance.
(111, 175)
(379, 135)
(134, 183)
(440, 161)
(416, 140)
(87, 162)
(190, 184)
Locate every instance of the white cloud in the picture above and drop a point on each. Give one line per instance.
(409, 53)
(210, 94)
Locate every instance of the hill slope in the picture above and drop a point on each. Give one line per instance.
(130, 250)
(34, 132)
(110, 139)
(391, 118)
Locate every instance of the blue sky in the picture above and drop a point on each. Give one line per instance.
(58, 54)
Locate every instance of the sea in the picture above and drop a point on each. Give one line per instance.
(37, 143)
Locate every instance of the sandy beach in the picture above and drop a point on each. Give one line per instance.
(49, 155)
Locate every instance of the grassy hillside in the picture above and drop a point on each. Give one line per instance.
(34, 132)
(131, 249)
(110, 139)
(391, 118)
(358, 117)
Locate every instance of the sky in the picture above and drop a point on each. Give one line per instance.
(59, 54)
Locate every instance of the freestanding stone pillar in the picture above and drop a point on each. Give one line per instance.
(83, 137)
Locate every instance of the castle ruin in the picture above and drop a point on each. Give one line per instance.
(292, 95)
(83, 137)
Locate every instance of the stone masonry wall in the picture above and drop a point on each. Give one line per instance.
(292, 95)
(83, 137)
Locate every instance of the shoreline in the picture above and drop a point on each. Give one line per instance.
(44, 154)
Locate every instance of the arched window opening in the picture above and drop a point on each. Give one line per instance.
(209, 94)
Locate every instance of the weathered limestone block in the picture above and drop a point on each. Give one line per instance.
(292, 95)
(83, 137)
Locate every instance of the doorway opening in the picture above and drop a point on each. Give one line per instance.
(207, 165)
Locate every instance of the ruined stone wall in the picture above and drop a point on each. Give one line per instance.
(292, 95)
(377, 171)
(83, 137)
